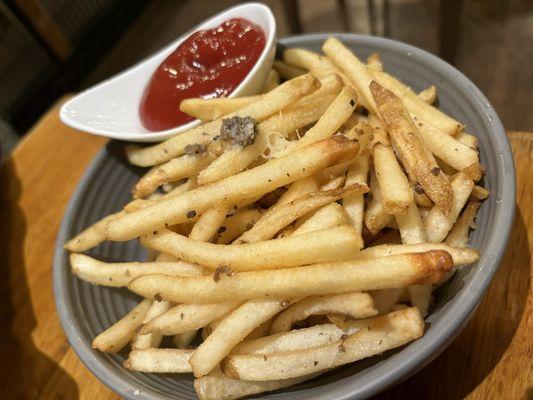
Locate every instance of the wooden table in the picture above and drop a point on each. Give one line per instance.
(491, 359)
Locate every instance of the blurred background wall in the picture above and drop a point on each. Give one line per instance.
(52, 47)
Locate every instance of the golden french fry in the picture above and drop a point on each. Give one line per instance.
(381, 333)
(178, 168)
(287, 71)
(272, 81)
(267, 105)
(375, 216)
(232, 330)
(307, 60)
(214, 108)
(411, 226)
(437, 223)
(420, 297)
(166, 257)
(187, 317)
(428, 95)
(248, 184)
(305, 111)
(352, 67)
(296, 339)
(114, 338)
(373, 62)
(184, 339)
(355, 305)
(260, 331)
(150, 340)
(379, 134)
(418, 108)
(479, 193)
(460, 256)
(354, 204)
(467, 139)
(384, 300)
(335, 115)
(458, 236)
(174, 361)
(334, 184)
(421, 199)
(328, 216)
(410, 149)
(216, 386)
(91, 236)
(209, 223)
(296, 190)
(278, 126)
(396, 194)
(274, 220)
(339, 243)
(120, 274)
(451, 151)
(357, 275)
(237, 224)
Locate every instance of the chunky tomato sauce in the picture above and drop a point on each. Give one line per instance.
(207, 64)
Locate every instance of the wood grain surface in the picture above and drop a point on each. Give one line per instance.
(491, 359)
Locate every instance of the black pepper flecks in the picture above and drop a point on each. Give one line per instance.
(435, 171)
(352, 102)
(418, 188)
(223, 269)
(191, 214)
(157, 297)
(195, 149)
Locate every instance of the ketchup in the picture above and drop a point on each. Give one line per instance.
(209, 63)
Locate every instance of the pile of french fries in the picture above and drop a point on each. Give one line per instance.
(316, 244)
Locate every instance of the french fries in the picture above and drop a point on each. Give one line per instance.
(185, 318)
(114, 338)
(401, 327)
(458, 236)
(120, 274)
(328, 216)
(296, 339)
(233, 329)
(237, 224)
(256, 181)
(357, 275)
(428, 95)
(266, 106)
(267, 239)
(339, 243)
(410, 149)
(160, 360)
(355, 305)
(460, 254)
(150, 340)
(272, 222)
(211, 109)
(216, 386)
(396, 195)
(375, 217)
(439, 224)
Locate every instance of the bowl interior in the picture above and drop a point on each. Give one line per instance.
(86, 310)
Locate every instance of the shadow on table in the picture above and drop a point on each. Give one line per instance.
(24, 369)
(471, 357)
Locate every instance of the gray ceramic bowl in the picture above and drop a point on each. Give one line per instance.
(86, 310)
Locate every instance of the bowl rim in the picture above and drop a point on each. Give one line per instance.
(230, 12)
(412, 357)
